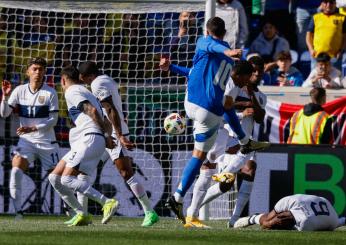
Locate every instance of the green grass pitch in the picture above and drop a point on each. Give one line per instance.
(51, 230)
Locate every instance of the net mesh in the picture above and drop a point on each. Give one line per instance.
(126, 40)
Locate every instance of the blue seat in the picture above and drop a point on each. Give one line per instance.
(304, 64)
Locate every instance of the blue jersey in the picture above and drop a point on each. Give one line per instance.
(209, 75)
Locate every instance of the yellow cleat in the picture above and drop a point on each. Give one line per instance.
(193, 222)
(109, 209)
(224, 177)
(80, 220)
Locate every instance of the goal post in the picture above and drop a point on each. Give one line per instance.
(126, 39)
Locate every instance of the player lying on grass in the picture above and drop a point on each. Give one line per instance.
(299, 212)
(106, 91)
(37, 105)
(88, 141)
(209, 98)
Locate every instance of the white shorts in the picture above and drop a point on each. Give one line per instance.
(227, 162)
(205, 126)
(115, 153)
(86, 153)
(47, 153)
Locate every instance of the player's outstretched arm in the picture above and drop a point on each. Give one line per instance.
(165, 65)
(5, 108)
(91, 111)
(114, 118)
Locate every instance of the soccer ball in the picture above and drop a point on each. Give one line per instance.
(174, 124)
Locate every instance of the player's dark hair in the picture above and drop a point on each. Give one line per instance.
(323, 57)
(317, 95)
(243, 67)
(37, 61)
(257, 61)
(216, 26)
(89, 68)
(71, 73)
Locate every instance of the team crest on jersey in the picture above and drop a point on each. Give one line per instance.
(335, 22)
(41, 99)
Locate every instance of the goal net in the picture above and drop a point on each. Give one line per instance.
(126, 39)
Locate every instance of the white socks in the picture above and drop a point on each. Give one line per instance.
(16, 187)
(83, 199)
(84, 187)
(140, 193)
(212, 193)
(242, 199)
(65, 193)
(255, 219)
(199, 191)
(341, 221)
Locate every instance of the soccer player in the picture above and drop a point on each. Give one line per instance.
(250, 105)
(37, 104)
(209, 97)
(106, 90)
(88, 141)
(299, 212)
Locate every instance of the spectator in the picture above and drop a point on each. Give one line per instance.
(285, 74)
(305, 9)
(268, 43)
(278, 12)
(326, 32)
(37, 42)
(180, 45)
(81, 37)
(324, 75)
(233, 13)
(3, 46)
(311, 125)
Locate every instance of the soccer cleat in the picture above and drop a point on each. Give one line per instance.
(224, 177)
(177, 208)
(193, 222)
(150, 218)
(80, 220)
(109, 209)
(72, 220)
(242, 222)
(254, 146)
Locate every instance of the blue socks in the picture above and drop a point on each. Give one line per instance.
(231, 118)
(189, 174)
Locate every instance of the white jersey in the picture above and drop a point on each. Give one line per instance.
(247, 123)
(231, 89)
(312, 213)
(34, 109)
(75, 95)
(103, 87)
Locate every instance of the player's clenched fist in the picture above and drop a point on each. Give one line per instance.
(164, 64)
(6, 88)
